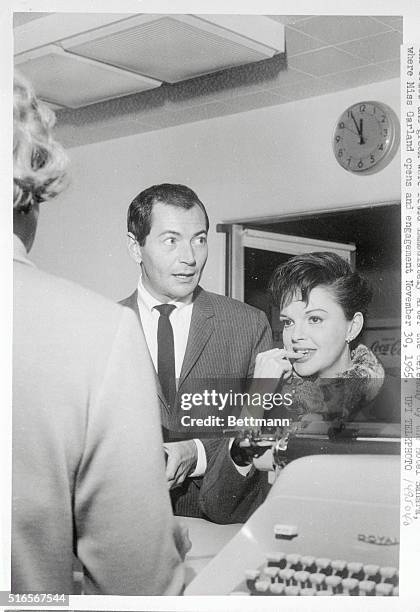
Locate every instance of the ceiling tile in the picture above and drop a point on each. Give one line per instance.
(393, 21)
(174, 48)
(324, 61)
(71, 81)
(25, 17)
(287, 19)
(360, 76)
(391, 67)
(296, 42)
(376, 48)
(338, 29)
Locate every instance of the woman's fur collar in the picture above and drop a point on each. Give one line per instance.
(340, 397)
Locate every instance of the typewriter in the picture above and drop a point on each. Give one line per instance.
(329, 526)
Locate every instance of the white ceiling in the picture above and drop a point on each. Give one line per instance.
(324, 54)
(87, 58)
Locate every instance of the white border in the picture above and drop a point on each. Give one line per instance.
(410, 9)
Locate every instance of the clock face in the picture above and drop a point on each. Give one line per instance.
(366, 137)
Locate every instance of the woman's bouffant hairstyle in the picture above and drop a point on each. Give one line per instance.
(39, 163)
(296, 278)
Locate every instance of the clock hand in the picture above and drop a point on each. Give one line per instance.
(355, 123)
(362, 140)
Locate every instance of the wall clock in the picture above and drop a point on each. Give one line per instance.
(366, 137)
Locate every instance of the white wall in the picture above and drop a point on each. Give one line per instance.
(264, 162)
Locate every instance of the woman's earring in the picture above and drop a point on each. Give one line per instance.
(348, 340)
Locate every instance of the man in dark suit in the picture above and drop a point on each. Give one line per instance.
(191, 334)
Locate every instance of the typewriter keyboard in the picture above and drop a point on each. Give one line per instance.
(293, 574)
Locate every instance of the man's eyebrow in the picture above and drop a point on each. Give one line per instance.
(175, 233)
(168, 231)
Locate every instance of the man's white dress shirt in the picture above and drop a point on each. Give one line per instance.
(180, 319)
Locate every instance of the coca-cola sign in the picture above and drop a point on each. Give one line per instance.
(386, 347)
(385, 344)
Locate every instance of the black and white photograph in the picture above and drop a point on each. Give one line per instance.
(212, 326)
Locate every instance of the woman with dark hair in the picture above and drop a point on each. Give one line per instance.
(329, 374)
(323, 305)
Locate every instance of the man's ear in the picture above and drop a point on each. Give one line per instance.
(355, 326)
(133, 248)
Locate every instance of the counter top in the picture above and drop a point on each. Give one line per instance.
(207, 539)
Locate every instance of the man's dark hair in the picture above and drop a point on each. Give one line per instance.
(296, 278)
(140, 210)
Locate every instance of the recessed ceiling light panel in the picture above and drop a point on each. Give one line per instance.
(73, 81)
(173, 48)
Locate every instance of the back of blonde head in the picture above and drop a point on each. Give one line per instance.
(39, 163)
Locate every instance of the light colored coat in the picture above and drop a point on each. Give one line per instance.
(88, 469)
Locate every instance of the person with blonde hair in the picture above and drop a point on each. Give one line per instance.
(88, 466)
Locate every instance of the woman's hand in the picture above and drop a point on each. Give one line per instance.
(270, 368)
(275, 364)
(265, 463)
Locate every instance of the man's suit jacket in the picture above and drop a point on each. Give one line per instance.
(227, 496)
(224, 339)
(88, 470)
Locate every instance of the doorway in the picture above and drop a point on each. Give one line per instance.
(368, 237)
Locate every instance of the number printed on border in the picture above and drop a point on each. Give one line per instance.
(33, 599)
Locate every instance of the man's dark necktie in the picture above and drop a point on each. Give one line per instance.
(166, 353)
